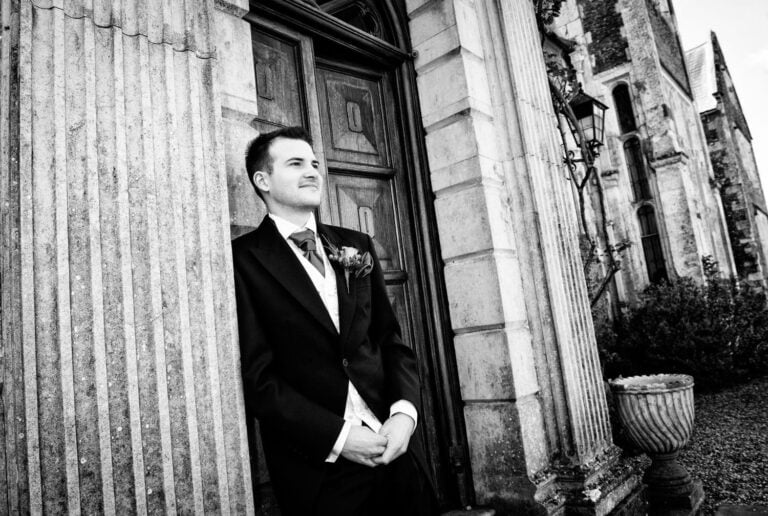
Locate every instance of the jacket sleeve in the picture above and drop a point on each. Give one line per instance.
(305, 426)
(401, 370)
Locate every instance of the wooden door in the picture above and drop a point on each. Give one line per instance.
(353, 115)
(367, 190)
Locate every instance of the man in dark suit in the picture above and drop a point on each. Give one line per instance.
(325, 371)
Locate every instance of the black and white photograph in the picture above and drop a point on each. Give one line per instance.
(384, 257)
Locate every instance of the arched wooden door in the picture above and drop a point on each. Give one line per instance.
(349, 85)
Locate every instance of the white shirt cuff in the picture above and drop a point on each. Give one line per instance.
(339, 444)
(404, 407)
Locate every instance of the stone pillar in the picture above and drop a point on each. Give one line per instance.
(120, 356)
(535, 406)
(677, 215)
(649, 84)
(239, 109)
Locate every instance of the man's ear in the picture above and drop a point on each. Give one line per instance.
(261, 180)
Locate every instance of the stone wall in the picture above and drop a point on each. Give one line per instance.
(621, 206)
(730, 107)
(761, 220)
(733, 161)
(739, 211)
(668, 45)
(604, 31)
(704, 199)
(680, 181)
(749, 164)
(726, 91)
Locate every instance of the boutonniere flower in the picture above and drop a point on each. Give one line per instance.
(351, 260)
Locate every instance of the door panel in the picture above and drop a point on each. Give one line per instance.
(367, 204)
(277, 64)
(353, 126)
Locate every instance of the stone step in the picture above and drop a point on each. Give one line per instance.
(742, 510)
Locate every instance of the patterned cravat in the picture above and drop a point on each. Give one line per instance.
(305, 240)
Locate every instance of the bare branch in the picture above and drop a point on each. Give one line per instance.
(603, 284)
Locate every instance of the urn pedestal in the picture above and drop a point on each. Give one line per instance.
(657, 412)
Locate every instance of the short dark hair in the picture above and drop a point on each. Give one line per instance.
(257, 156)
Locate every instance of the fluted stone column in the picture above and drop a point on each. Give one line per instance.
(120, 359)
(535, 408)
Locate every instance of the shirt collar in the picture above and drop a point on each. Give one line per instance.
(286, 227)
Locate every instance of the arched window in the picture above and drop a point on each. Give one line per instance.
(363, 14)
(623, 102)
(636, 166)
(654, 257)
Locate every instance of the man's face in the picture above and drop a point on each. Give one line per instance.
(295, 182)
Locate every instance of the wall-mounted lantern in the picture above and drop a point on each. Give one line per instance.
(590, 115)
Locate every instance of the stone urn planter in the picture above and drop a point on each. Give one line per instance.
(657, 413)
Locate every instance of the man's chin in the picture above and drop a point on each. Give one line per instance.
(312, 202)
(307, 202)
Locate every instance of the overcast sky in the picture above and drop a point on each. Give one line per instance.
(742, 30)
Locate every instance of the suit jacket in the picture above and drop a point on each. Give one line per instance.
(296, 365)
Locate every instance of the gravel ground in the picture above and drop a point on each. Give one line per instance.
(729, 448)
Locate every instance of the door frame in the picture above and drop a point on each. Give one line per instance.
(313, 22)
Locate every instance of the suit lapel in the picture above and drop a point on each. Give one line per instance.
(276, 256)
(347, 296)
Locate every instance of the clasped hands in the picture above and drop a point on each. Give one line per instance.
(372, 449)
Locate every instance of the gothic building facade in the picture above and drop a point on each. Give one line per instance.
(733, 159)
(662, 193)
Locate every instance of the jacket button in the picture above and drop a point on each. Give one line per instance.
(345, 362)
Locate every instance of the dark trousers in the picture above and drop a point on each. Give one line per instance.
(399, 488)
